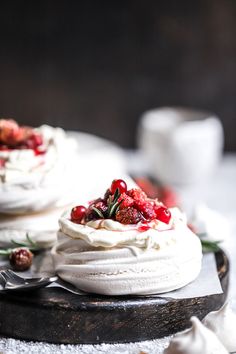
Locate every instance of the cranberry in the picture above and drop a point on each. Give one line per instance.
(98, 204)
(78, 213)
(21, 259)
(147, 209)
(120, 185)
(163, 214)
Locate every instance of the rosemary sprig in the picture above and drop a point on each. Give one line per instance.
(207, 245)
(30, 244)
(210, 246)
(112, 206)
(6, 252)
(100, 214)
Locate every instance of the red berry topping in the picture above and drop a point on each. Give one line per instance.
(147, 209)
(13, 136)
(163, 214)
(138, 196)
(78, 213)
(128, 216)
(97, 208)
(126, 201)
(120, 185)
(21, 259)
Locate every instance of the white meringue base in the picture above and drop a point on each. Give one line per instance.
(126, 270)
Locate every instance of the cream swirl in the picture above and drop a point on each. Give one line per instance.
(109, 258)
(31, 182)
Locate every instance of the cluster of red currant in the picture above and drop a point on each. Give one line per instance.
(123, 205)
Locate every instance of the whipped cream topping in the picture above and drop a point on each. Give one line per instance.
(223, 324)
(110, 258)
(196, 340)
(31, 182)
(110, 233)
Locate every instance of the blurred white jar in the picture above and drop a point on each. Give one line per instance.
(182, 146)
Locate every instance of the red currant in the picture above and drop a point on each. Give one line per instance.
(163, 214)
(78, 213)
(120, 185)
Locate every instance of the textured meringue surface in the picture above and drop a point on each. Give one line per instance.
(197, 340)
(223, 324)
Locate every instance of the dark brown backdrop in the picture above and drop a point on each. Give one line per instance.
(97, 65)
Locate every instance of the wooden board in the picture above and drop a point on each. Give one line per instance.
(57, 316)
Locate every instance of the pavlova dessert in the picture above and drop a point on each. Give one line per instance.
(34, 167)
(126, 243)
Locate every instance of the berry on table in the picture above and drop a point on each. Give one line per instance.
(21, 259)
(77, 213)
(120, 185)
(163, 214)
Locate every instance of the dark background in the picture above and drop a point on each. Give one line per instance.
(96, 66)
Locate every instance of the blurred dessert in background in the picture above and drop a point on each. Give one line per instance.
(42, 171)
(35, 167)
